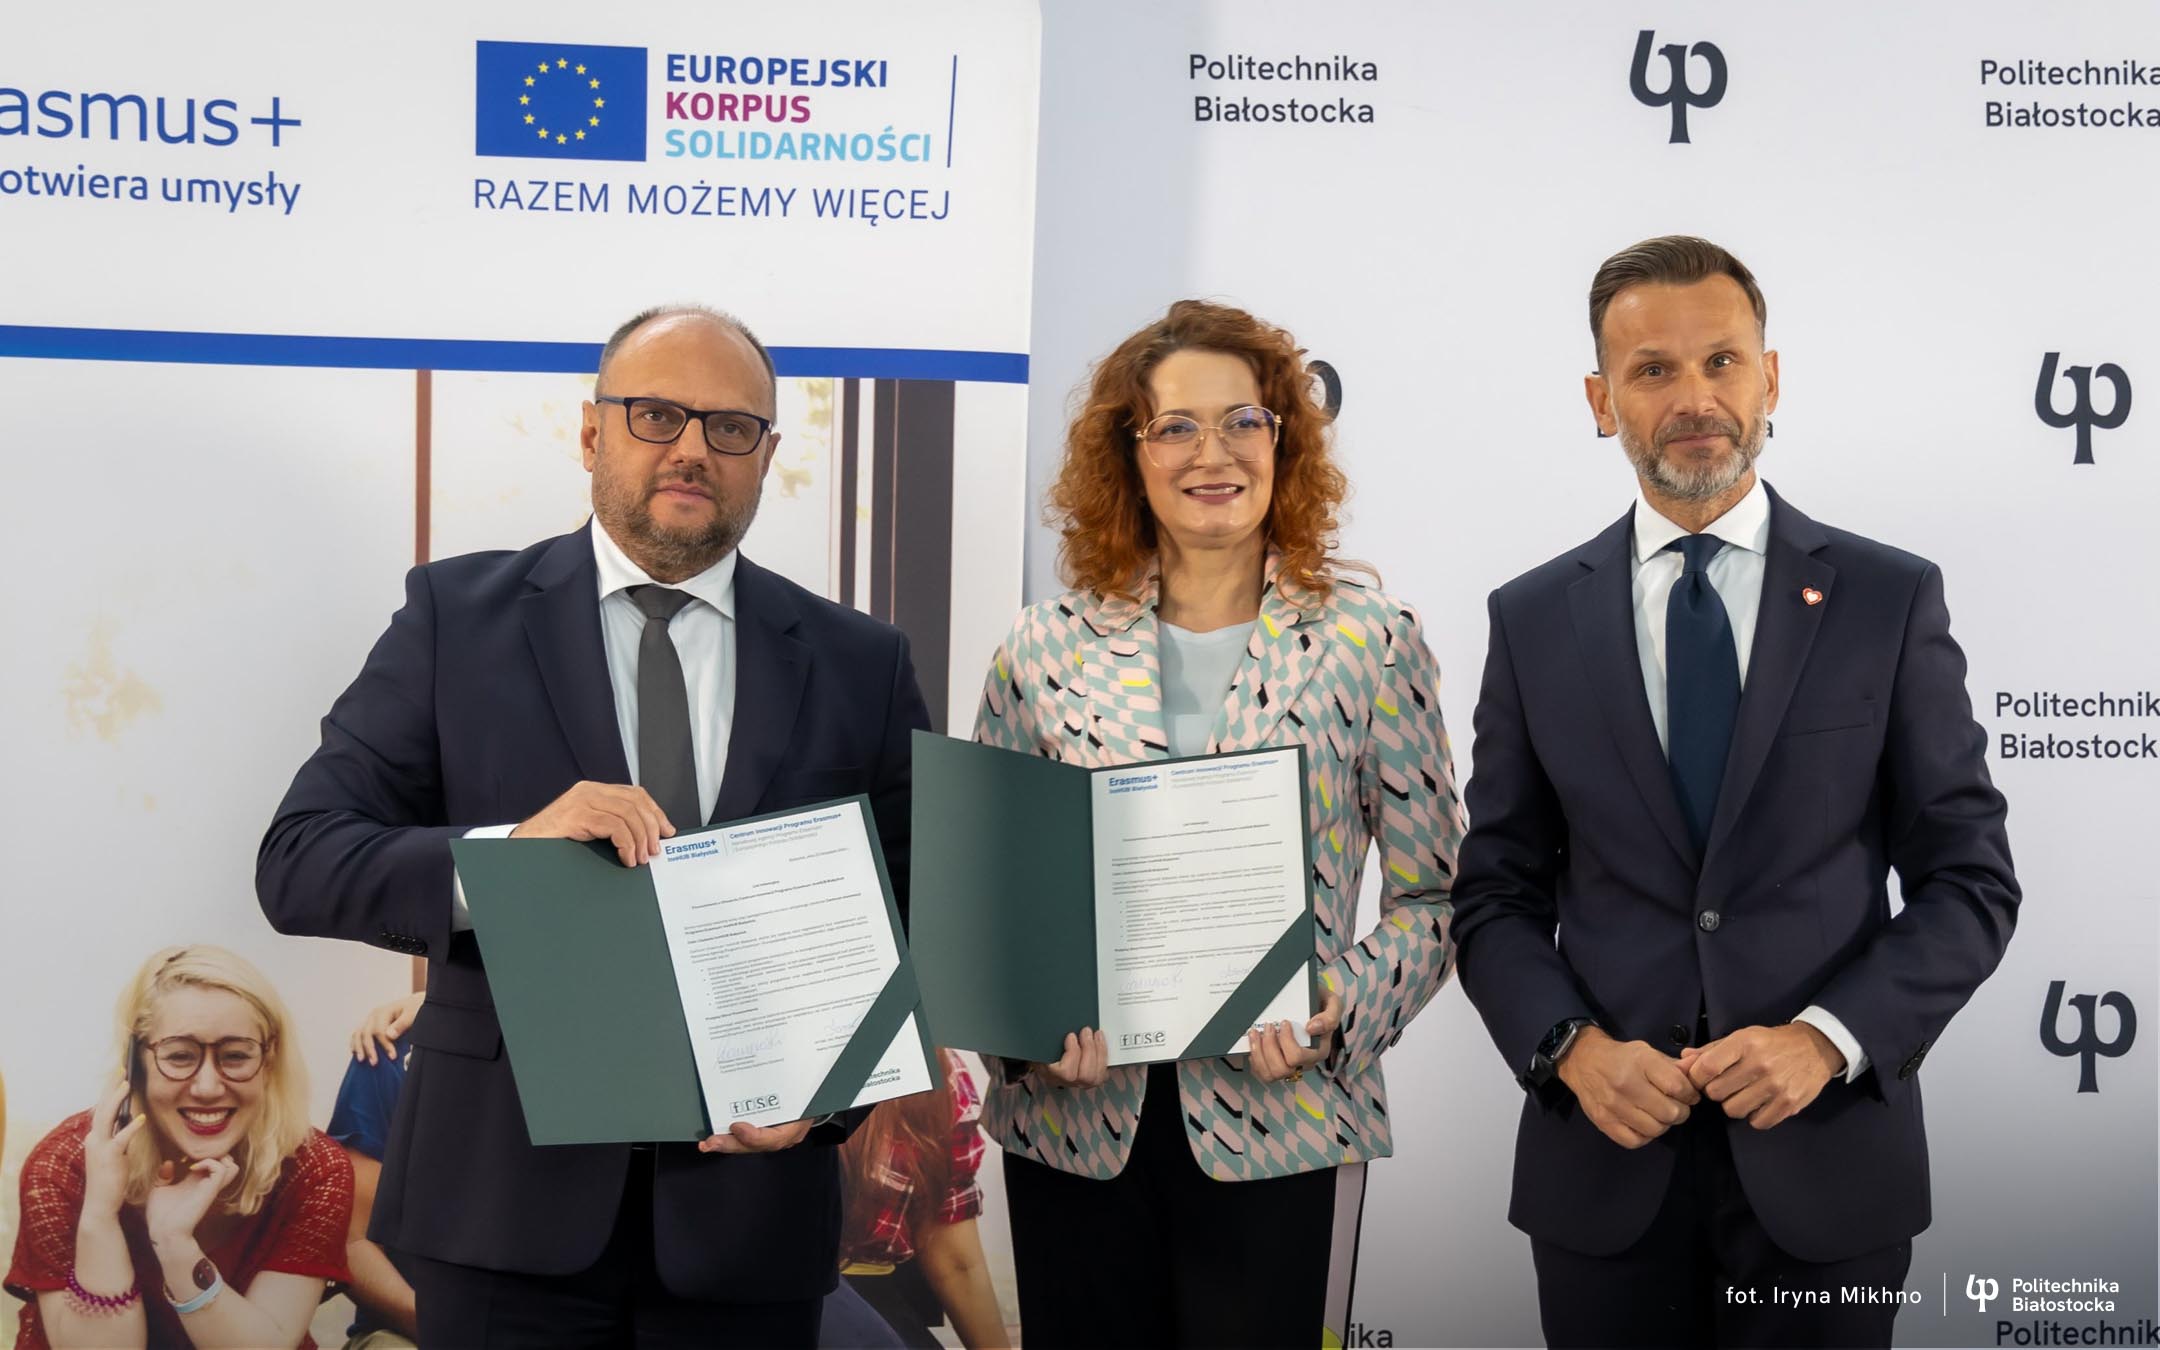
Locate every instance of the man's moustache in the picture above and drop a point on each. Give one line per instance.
(1705, 428)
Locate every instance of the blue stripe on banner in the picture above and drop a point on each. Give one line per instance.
(561, 358)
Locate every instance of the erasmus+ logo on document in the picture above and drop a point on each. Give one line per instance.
(541, 100)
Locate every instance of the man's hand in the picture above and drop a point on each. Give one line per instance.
(743, 1137)
(623, 814)
(1629, 1091)
(1764, 1074)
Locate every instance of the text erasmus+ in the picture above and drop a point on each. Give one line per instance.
(61, 114)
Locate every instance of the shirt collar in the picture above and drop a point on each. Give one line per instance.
(715, 585)
(1746, 525)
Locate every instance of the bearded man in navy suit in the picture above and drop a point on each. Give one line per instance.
(1704, 740)
(623, 682)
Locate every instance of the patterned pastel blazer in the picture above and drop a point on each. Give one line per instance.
(1079, 680)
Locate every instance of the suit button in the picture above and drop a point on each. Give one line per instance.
(1679, 1034)
(1709, 920)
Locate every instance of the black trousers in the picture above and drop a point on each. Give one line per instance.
(617, 1303)
(1706, 1274)
(1164, 1255)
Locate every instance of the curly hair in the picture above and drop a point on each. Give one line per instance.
(1098, 504)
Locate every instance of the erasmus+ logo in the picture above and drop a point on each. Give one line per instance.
(1678, 92)
(538, 100)
(2081, 414)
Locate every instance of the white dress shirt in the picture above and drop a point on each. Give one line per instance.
(704, 635)
(1736, 574)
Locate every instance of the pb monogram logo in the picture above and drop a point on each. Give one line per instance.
(1980, 1291)
(1678, 92)
(2081, 414)
(2087, 1044)
(1326, 384)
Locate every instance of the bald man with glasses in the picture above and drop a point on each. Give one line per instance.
(621, 683)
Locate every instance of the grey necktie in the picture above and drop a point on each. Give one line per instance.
(667, 768)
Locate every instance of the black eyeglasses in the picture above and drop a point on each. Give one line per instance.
(238, 1058)
(727, 430)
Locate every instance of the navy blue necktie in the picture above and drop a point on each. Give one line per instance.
(1702, 684)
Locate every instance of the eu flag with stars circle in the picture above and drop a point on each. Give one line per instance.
(547, 100)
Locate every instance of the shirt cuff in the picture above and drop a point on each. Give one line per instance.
(1826, 1022)
(460, 917)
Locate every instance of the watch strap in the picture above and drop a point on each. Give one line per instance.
(208, 1285)
(1545, 1063)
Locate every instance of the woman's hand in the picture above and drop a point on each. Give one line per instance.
(1085, 1063)
(1275, 1053)
(180, 1199)
(384, 1025)
(105, 1156)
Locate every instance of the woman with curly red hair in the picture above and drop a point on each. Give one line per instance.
(1198, 502)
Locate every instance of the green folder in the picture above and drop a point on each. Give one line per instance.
(1001, 911)
(584, 988)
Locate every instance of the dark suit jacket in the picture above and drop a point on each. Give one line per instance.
(1855, 752)
(486, 699)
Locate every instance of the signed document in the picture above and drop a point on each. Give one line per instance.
(782, 938)
(1199, 868)
(1167, 903)
(754, 972)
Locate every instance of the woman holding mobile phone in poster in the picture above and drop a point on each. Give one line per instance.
(194, 1205)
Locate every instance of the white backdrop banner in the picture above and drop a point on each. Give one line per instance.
(294, 301)
(1949, 207)
(291, 304)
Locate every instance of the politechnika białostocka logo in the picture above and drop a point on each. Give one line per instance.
(2081, 414)
(2087, 1045)
(1678, 93)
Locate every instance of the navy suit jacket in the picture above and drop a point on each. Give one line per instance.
(1854, 752)
(485, 700)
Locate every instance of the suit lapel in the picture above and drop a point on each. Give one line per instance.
(1785, 628)
(1602, 605)
(1119, 672)
(562, 622)
(771, 668)
(1285, 649)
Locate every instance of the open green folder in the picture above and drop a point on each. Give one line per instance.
(1003, 912)
(584, 986)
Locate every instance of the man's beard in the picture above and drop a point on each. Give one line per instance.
(673, 552)
(1696, 483)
